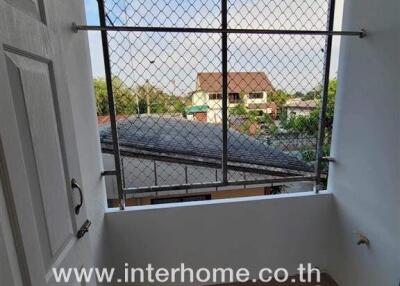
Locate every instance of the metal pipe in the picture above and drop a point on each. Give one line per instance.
(224, 50)
(216, 184)
(122, 173)
(186, 178)
(155, 173)
(211, 163)
(111, 106)
(361, 33)
(109, 173)
(324, 100)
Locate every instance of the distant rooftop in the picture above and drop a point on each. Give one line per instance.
(237, 82)
(180, 138)
(299, 103)
(196, 108)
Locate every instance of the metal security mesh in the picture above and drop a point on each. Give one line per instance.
(168, 92)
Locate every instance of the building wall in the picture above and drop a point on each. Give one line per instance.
(366, 146)
(201, 98)
(249, 100)
(214, 113)
(201, 116)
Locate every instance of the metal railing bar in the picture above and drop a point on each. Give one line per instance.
(155, 173)
(111, 105)
(360, 33)
(210, 163)
(186, 178)
(216, 184)
(328, 159)
(324, 99)
(123, 173)
(109, 173)
(224, 62)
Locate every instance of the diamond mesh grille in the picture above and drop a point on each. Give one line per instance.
(167, 90)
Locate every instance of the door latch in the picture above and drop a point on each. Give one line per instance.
(84, 229)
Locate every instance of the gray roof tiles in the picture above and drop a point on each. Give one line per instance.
(180, 136)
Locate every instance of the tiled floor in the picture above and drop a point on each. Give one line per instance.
(326, 280)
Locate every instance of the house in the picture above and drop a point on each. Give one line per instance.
(298, 106)
(249, 88)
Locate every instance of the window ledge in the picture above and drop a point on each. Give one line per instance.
(220, 201)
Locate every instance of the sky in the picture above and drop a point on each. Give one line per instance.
(171, 61)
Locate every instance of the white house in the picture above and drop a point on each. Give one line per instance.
(297, 107)
(250, 88)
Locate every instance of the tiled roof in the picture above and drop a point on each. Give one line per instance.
(270, 105)
(299, 103)
(179, 136)
(237, 82)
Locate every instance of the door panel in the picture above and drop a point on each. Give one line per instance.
(33, 8)
(38, 143)
(31, 85)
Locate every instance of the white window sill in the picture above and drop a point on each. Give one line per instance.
(220, 201)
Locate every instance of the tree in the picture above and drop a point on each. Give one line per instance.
(100, 91)
(124, 100)
(133, 101)
(298, 94)
(239, 109)
(309, 124)
(279, 97)
(248, 119)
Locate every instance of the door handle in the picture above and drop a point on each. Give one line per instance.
(74, 185)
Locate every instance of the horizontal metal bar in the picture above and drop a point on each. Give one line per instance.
(205, 163)
(328, 159)
(109, 173)
(216, 184)
(77, 28)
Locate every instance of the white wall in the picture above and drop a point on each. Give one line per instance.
(79, 75)
(280, 231)
(366, 178)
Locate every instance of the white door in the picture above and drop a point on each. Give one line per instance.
(38, 151)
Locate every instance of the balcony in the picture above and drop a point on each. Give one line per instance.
(288, 228)
(168, 171)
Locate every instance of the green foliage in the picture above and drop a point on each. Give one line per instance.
(268, 124)
(249, 118)
(308, 155)
(100, 91)
(309, 124)
(130, 101)
(298, 94)
(303, 124)
(279, 97)
(239, 109)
